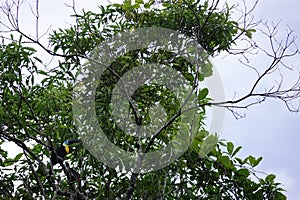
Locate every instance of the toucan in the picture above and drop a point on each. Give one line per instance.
(60, 153)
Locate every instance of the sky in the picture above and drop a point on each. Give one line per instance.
(269, 129)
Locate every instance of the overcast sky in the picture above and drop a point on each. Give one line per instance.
(268, 129)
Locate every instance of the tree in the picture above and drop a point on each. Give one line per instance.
(37, 115)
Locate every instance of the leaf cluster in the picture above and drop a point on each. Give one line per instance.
(37, 115)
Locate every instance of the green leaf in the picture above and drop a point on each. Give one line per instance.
(257, 161)
(240, 161)
(8, 162)
(252, 160)
(17, 157)
(37, 148)
(117, 5)
(139, 1)
(202, 94)
(225, 162)
(249, 33)
(244, 172)
(126, 5)
(135, 6)
(209, 143)
(270, 178)
(236, 151)
(230, 147)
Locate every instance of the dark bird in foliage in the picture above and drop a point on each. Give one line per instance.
(60, 153)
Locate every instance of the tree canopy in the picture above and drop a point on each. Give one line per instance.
(37, 113)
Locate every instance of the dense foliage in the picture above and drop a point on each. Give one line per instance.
(37, 115)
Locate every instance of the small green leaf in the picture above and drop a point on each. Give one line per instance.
(208, 144)
(225, 161)
(243, 172)
(135, 6)
(37, 148)
(236, 151)
(252, 160)
(126, 5)
(17, 157)
(139, 1)
(270, 178)
(202, 94)
(230, 147)
(8, 162)
(258, 161)
(240, 161)
(249, 33)
(117, 5)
